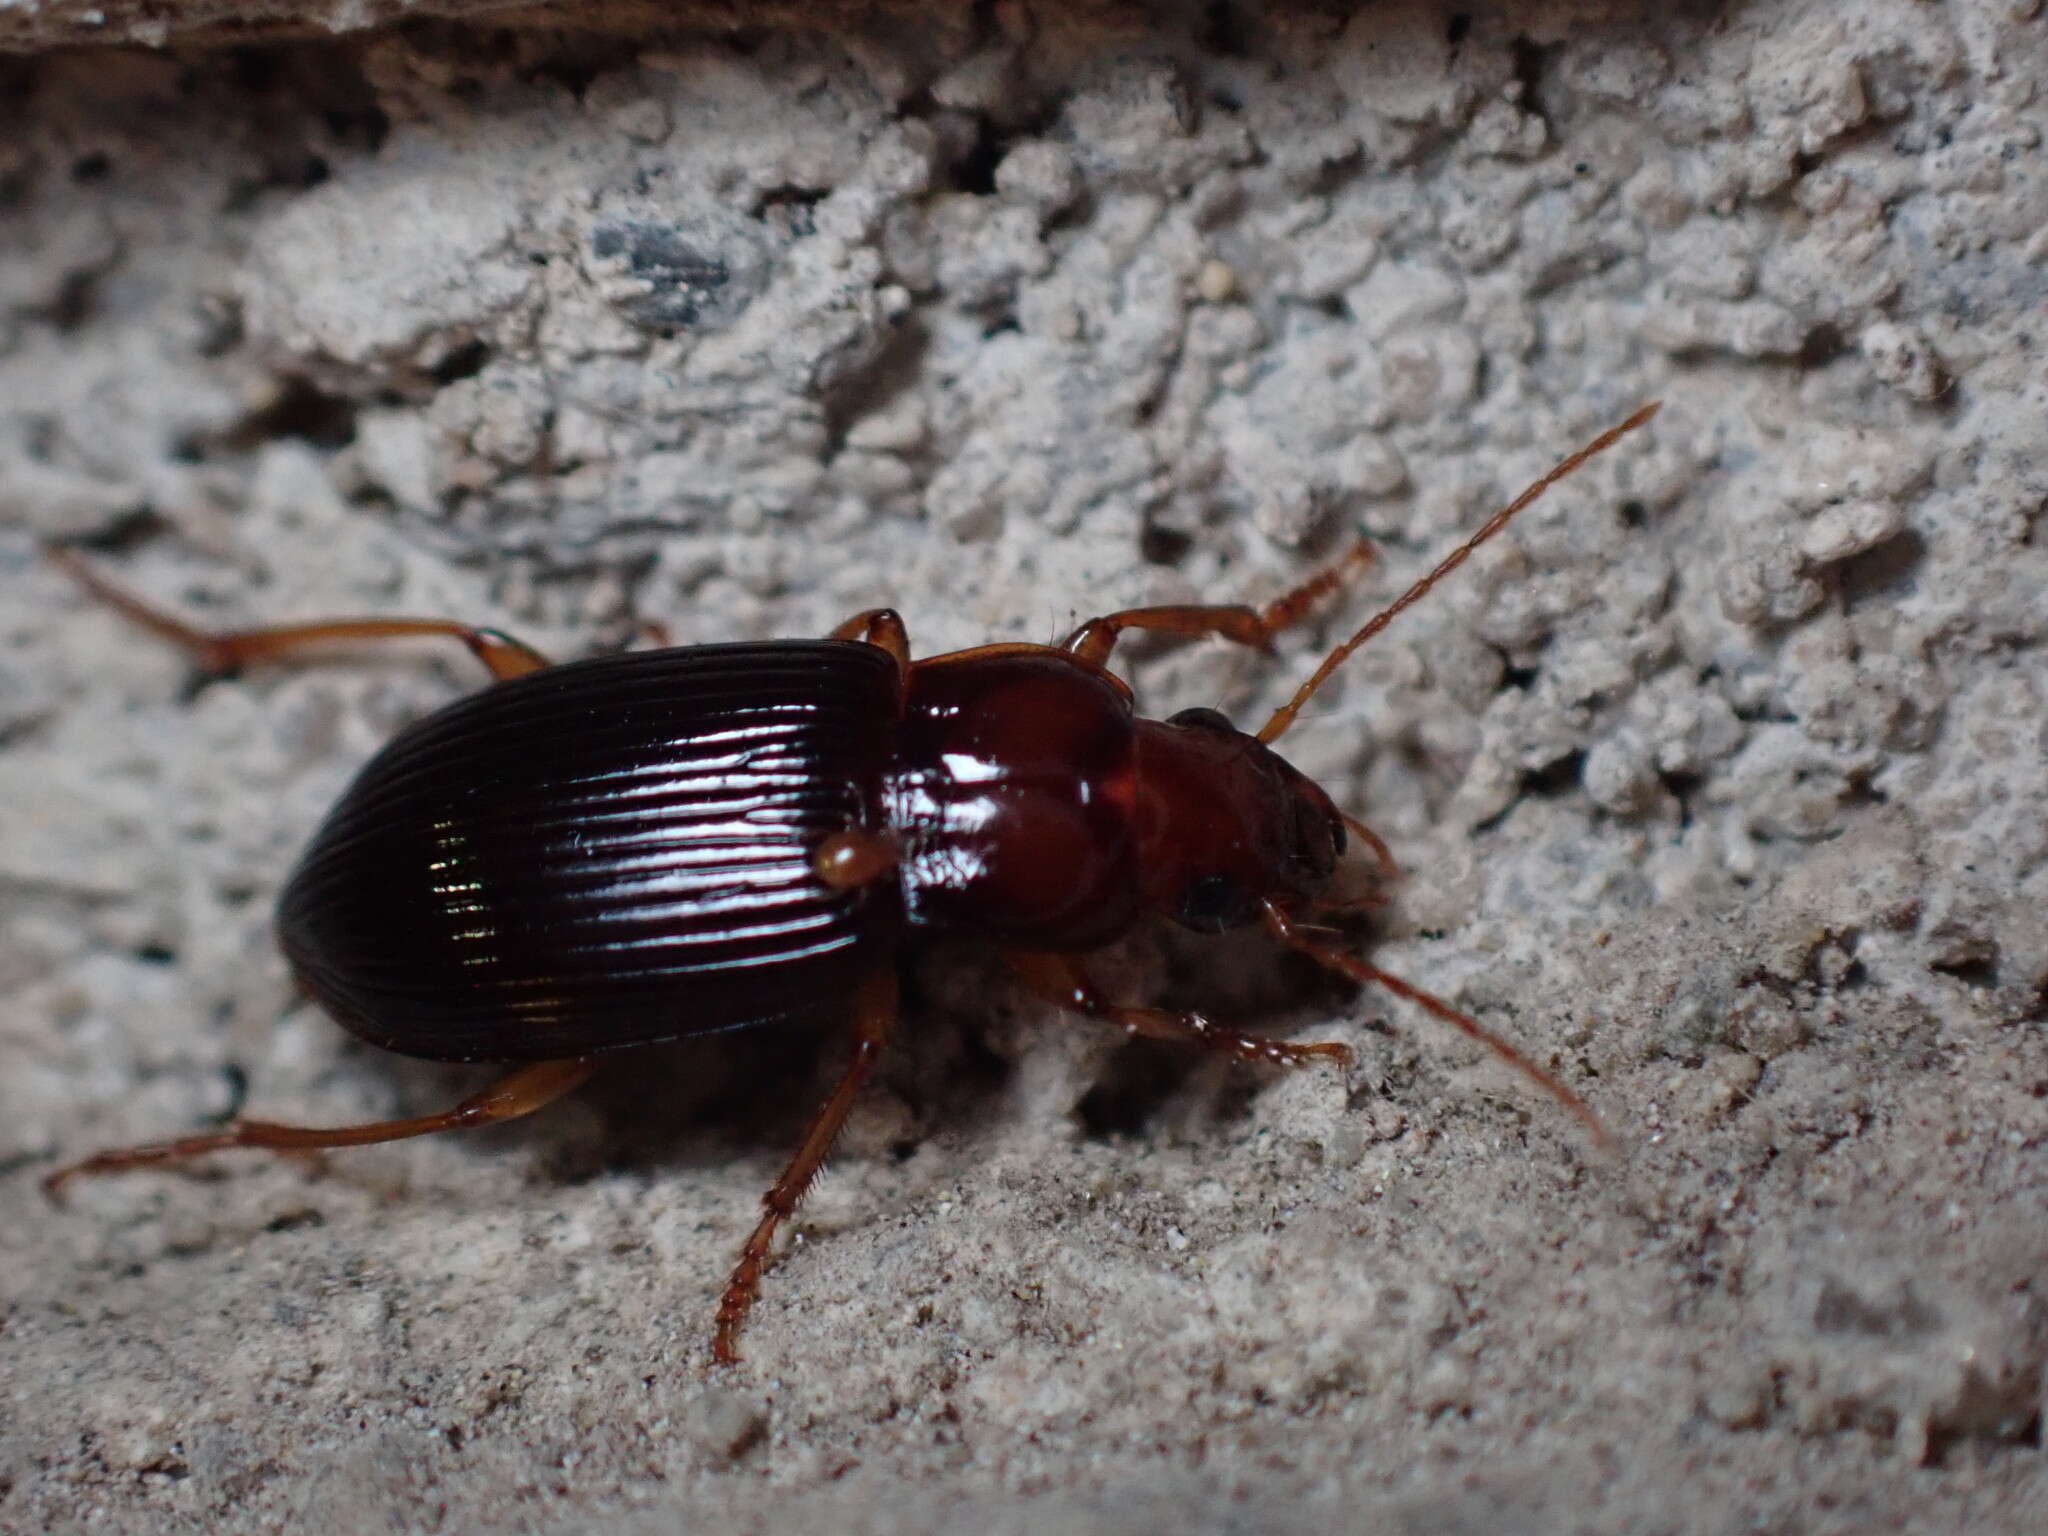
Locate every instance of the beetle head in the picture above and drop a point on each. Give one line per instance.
(1224, 824)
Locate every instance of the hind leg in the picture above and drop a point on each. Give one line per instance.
(230, 650)
(530, 1088)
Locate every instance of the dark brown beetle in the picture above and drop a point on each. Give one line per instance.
(636, 848)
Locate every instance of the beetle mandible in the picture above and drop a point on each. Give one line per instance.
(634, 848)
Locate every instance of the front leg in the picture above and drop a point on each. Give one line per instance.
(1059, 979)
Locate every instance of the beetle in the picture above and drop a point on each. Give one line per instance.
(630, 849)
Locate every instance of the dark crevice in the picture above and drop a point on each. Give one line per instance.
(1683, 787)
(1163, 546)
(577, 60)
(975, 171)
(2035, 1011)
(790, 207)
(2014, 1430)
(1556, 779)
(238, 1092)
(1531, 70)
(301, 410)
(1228, 30)
(463, 362)
(1821, 346)
(869, 390)
(1975, 971)
(75, 300)
(1335, 173)
(1886, 570)
(130, 531)
(363, 127)
(253, 70)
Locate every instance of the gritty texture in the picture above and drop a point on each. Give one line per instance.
(28, 26)
(1719, 780)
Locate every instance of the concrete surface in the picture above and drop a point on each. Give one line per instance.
(1719, 781)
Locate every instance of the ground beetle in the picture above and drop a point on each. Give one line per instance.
(636, 848)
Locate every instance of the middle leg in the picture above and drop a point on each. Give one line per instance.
(876, 1010)
(882, 627)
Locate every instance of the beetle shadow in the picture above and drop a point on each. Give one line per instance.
(694, 1103)
(698, 1103)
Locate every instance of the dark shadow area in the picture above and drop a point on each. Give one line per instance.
(1887, 571)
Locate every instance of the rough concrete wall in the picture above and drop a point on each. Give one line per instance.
(1720, 779)
(30, 26)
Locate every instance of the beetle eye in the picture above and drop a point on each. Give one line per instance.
(1214, 903)
(1203, 719)
(1315, 831)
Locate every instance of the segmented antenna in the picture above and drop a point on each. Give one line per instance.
(1283, 717)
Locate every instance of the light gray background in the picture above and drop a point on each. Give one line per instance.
(1719, 781)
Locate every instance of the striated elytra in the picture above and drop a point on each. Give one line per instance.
(603, 854)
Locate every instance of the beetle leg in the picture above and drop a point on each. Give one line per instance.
(1254, 627)
(876, 1012)
(1059, 979)
(528, 1089)
(1288, 932)
(230, 650)
(849, 860)
(879, 626)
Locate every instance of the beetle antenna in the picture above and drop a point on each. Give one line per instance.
(1283, 717)
(1296, 937)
